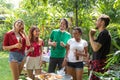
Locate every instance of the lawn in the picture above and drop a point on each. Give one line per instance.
(5, 73)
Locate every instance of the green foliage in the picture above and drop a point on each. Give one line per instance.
(113, 59)
(111, 8)
(115, 35)
(110, 75)
(47, 13)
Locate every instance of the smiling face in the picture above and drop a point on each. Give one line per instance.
(19, 26)
(63, 24)
(76, 34)
(34, 33)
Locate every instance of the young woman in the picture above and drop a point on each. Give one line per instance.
(34, 51)
(15, 42)
(76, 50)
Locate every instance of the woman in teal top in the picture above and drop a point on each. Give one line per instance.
(57, 41)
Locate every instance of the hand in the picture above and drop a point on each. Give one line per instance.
(18, 45)
(76, 53)
(23, 33)
(92, 32)
(31, 49)
(62, 44)
(54, 44)
(79, 53)
(41, 62)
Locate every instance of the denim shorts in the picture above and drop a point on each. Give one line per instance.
(16, 57)
(76, 65)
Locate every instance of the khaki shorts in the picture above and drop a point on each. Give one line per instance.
(33, 62)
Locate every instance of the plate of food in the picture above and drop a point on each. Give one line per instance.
(49, 76)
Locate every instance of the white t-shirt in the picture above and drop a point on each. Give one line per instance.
(73, 46)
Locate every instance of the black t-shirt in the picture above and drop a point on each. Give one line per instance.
(105, 40)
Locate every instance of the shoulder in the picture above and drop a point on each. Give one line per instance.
(71, 40)
(105, 32)
(55, 30)
(9, 33)
(84, 42)
(40, 40)
(67, 33)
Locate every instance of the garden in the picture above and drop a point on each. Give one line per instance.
(46, 14)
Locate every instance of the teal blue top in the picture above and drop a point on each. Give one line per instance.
(58, 36)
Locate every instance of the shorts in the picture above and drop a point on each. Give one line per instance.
(98, 66)
(76, 65)
(16, 57)
(33, 62)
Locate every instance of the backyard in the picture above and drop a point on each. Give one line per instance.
(5, 72)
(46, 15)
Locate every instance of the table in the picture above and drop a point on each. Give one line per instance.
(65, 77)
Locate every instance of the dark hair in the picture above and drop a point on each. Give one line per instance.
(65, 22)
(106, 19)
(31, 37)
(79, 29)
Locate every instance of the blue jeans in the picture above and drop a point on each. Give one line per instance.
(16, 56)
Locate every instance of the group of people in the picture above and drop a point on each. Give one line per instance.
(21, 45)
(66, 50)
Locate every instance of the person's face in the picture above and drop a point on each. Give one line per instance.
(99, 23)
(36, 33)
(19, 26)
(76, 34)
(62, 25)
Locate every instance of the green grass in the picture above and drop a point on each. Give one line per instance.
(5, 73)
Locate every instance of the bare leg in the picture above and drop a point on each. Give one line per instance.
(21, 65)
(15, 70)
(37, 72)
(30, 74)
(79, 74)
(71, 71)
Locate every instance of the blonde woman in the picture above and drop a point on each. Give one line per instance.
(15, 42)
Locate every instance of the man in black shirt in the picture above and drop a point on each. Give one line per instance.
(100, 46)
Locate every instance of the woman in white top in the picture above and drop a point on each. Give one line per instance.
(77, 48)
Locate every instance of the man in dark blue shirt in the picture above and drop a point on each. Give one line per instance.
(100, 46)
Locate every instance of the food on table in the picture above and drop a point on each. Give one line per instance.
(50, 76)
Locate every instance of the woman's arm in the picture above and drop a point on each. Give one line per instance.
(9, 47)
(65, 58)
(17, 45)
(67, 50)
(26, 38)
